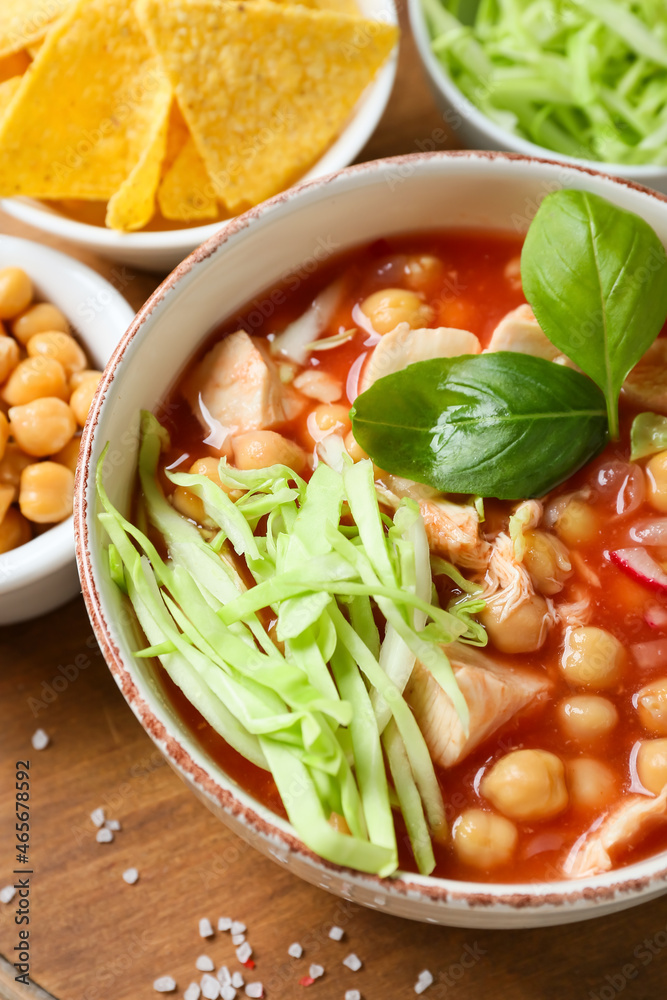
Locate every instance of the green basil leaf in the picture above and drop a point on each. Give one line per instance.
(596, 278)
(500, 425)
(648, 435)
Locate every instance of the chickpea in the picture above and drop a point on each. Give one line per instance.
(483, 839)
(652, 707)
(15, 292)
(354, 450)
(652, 765)
(81, 399)
(592, 658)
(9, 356)
(189, 504)
(259, 449)
(209, 467)
(656, 481)
(69, 455)
(592, 785)
(328, 418)
(522, 631)
(4, 434)
(14, 530)
(577, 523)
(46, 495)
(12, 465)
(586, 718)
(33, 379)
(391, 306)
(527, 785)
(547, 560)
(59, 346)
(43, 426)
(78, 378)
(40, 318)
(422, 270)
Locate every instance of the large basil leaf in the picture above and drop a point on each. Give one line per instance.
(501, 425)
(596, 278)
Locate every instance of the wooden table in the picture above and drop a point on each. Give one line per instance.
(95, 938)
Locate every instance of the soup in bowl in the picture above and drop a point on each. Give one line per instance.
(375, 552)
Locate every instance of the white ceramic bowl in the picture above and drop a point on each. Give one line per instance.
(474, 130)
(244, 260)
(40, 576)
(161, 251)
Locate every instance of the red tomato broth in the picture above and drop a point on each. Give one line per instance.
(472, 292)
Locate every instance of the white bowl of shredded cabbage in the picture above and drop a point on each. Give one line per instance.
(584, 84)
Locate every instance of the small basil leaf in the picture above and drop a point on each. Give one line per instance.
(648, 435)
(596, 278)
(500, 425)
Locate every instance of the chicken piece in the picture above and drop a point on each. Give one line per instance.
(452, 529)
(519, 331)
(404, 346)
(493, 693)
(237, 388)
(621, 830)
(646, 385)
(319, 385)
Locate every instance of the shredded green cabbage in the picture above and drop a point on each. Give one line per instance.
(586, 79)
(322, 709)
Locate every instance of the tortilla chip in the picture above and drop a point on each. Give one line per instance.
(23, 22)
(340, 6)
(15, 65)
(8, 88)
(271, 85)
(86, 112)
(187, 192)
(133, 205)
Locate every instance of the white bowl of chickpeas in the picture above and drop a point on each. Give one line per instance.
(59, 323)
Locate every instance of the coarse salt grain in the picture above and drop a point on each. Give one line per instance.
(352, 995)
(424, 980)
(315, 971)
(104, 836)
(353, 962)
(238, 939)
(97, 816)
(210, 987)
(165, 984)
(225, 924)
(295, 950)
(205, 928)
(7, 894)
(112, 824)
(237, 927)
(193, 992)
(336, 933)
(237, 980)
(243, 952)
(224, 976)
(40, 739)
(254, 990)
(228, 992)
(130, 875)
(204, 964)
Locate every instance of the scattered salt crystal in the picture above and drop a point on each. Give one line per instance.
(237, 927)
(315, 971)
(104, 836)
(165, 984)
(193, 992)
(237, 980)
(238, 939)
(112, 824)
(210, 987)
(205, 928)
(243, 952)
(295, 950)
(352, 962)
(424, 980)
(254, 990)
(352, 995)
(225, 924)
(204, 964)
(97, 816)
(336, 933)
(130, 875)
(224, 976)
(228, 992)
(7, 894)
(40, 739)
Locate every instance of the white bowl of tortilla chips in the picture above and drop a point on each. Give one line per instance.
(135, 127)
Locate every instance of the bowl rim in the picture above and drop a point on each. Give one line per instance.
(633, 879)
(440, 78)
(347, 145)
(52, 550)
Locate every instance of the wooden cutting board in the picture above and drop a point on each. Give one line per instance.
(93, 937)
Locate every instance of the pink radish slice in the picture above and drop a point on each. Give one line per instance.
(650, 654)
(655, 617)
(642, 567)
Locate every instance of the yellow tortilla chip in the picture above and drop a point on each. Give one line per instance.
(186, 192)
(14, 65)
(270, 87)
(23, 22)
(340, 6)
(8, 88)
(86, 112)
